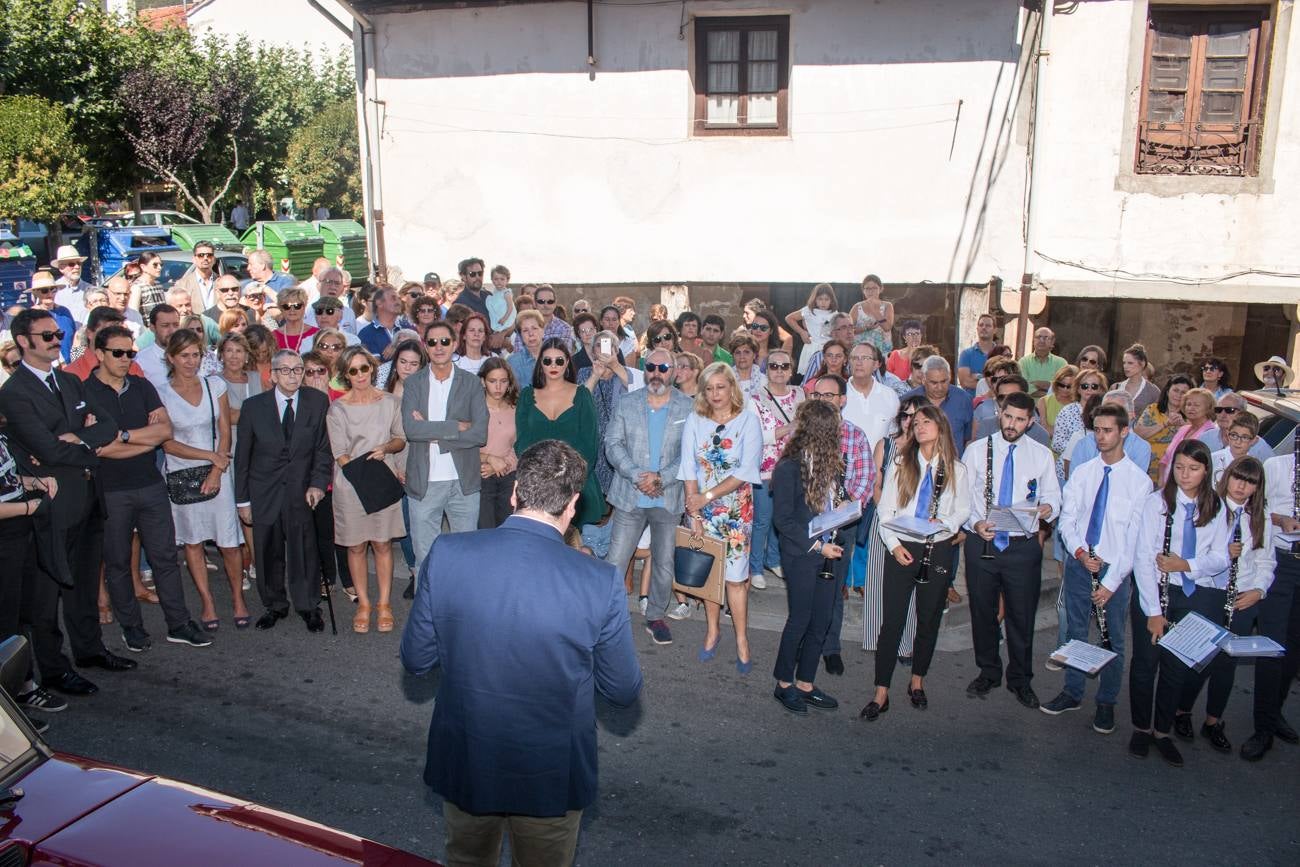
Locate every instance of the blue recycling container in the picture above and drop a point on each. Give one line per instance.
(113, 247)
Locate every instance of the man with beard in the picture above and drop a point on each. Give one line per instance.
(643, 443)
(1023, 473)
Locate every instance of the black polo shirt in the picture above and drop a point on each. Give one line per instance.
(130, 408)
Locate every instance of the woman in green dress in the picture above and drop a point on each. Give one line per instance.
(556, 408)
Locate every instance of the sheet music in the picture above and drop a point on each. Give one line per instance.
(911, 525)
(1017, 518)
(1088, 658)
(1289, 538)
(1252, 646)
(834, 519)
(1194, 640)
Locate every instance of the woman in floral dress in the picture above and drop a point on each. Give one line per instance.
(722, 444)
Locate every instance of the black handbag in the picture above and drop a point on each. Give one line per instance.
(691, 564)
(184, 487)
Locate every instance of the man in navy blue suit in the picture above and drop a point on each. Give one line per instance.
(526, 630)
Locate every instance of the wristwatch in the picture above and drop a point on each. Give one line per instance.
(708, 496)
(124, 436)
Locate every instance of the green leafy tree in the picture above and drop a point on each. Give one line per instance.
(324, 164)
(43, 167)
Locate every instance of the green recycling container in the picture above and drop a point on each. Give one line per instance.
(186, 235)
(294, 242)
(345, 246)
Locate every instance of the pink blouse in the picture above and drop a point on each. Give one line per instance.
(501, 434)
(1184, 433)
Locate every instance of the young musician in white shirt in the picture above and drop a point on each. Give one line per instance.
(1279, 612)
(927, 481)
(1013, 570)
(1245, 582)
(1100, 511)
(1184, 518)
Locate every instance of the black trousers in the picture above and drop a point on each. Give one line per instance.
(1221, 673)
(494, 501)
(1143, 668)
(82, 544)
(15, 554)
(831, 643)
(149, 510)
(286, 553)
(1279, 619)
(809, 601)
(898, 587)
(1175, 675)
(1015, 574)
(332, 559)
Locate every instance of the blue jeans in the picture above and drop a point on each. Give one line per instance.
(764, 550)
(1078, 615)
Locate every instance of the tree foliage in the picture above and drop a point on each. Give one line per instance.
(324, 161)
(43, 167)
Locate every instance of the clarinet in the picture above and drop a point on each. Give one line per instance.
(1295, 486)
(1231, 603)
(987, 553)
(923, 574)
(1164, 576)
(1099, 611)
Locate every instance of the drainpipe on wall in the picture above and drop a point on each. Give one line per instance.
(1041, 57)
(363, 46)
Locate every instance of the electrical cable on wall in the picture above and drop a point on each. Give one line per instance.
(1146, 277)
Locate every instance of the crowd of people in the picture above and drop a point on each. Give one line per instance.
(304, 430)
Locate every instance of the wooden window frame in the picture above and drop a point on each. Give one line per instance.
(745, 24)
(1250, 125)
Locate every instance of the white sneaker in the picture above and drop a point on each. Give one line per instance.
(680, 611)
(776, 570)
(643, 602)
(758, 582)
(1052, 665)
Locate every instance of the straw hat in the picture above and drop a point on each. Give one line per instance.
(42, 280)
(67, 253)
(1276, 361)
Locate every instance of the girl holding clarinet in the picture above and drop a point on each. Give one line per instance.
(1232, 600)
(1182, 545)
(925, 480)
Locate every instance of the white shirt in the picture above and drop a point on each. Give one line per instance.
(1279, 498)
(42, 375)
(207, 288)
(1211, 550)
(954, 501)
(151, 362)
(876, 413)
(441, 467)
(1033, 462)
(1255, 565)
(1125, 498)
(347, 319)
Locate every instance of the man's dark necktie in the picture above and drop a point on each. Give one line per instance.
(53, 383)
(286, 423)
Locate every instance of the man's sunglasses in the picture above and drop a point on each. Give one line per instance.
(438, 341)
(49, 336)
(327, 311)
(545, 302)
(663, 368)
(473, 273)
(205, 255)
(1229, 410)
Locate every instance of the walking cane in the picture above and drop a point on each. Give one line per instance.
(329, 603)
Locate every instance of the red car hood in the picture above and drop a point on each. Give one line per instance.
(79, 812)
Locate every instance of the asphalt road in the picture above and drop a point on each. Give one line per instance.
(708, 769)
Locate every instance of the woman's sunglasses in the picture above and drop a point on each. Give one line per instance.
(297, 306)
(1090, 386)
(665, 337)
(552, 361)
(357, 371)
(779, 365)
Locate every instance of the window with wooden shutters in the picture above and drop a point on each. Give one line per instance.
(1202, 98)
(741, 75)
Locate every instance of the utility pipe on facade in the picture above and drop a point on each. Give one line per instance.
(1041, 58)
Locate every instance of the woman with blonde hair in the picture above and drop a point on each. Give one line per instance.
(686, 374)
(722, 444)
(211, 365)
(1198, 417)
(233, 319)
(366, 424)
(261, 346)
(1088, 388)
(1061, 394)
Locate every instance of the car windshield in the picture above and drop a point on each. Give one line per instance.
(14, 744)
(172, 271)
(237, 265)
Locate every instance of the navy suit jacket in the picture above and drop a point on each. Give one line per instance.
(526, 630)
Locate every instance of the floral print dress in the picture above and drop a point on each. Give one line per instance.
(713, 453)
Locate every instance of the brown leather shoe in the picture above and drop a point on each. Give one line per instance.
(384, 622)
(361, 620)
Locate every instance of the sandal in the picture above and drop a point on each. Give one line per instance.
(211, 625)
(361, 620)
(242, 622)
(351, 593)
(148, 596)
(105, 615)
(384, 621)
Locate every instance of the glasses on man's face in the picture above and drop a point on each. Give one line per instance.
(473, 273)
(1239, 438)
(1090, 386)
(779, 365)
(553, 361)
(659, 368)
(433, 342)
(295, 306)
(118, 353)
(1225, 410)
(421, 311)
(315, 371)
(49, 336)
(863, 359)
(330, 347)
(229, 290)
(359, 370)
(545, 302)
(825, 395)
(1270, 368)
(327, 311)
(290, 371)
(205, 255)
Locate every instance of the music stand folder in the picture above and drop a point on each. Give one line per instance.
(376, 486)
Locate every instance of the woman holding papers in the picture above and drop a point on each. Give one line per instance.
(924, 502)
(808, 481)
(1236, 589)
(1182, 518)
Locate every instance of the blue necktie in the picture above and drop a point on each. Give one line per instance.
(1188, 550)
(925, 495)
(1001, 539)
(1093, 536)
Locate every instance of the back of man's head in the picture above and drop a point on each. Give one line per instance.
(550, 474)
(101, 316)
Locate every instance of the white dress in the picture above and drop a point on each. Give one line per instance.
(214, 519)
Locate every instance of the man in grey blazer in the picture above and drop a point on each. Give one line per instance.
(643, 442)
(445, 417)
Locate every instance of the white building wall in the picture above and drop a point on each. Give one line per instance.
(497, 140)
(1099, 214)
(292, 23)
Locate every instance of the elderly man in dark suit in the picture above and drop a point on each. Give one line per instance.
(283, 464)
(526, 631)
(643, 442)
(54, 432)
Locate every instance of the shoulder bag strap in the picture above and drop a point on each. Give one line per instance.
(212, 410)
(776, 404)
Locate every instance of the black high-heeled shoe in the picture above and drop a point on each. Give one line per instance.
(872, 711)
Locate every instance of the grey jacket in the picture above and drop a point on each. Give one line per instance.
(627, 447)
(465, 403)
